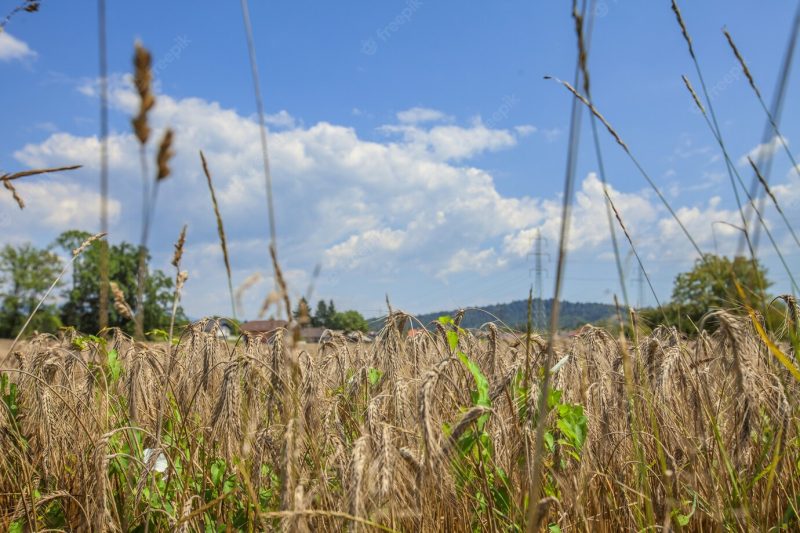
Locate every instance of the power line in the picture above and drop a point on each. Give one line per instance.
(538, 310)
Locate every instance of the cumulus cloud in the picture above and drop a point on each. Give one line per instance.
(13, 49)
(351, 252)
(122, 153)
(788, 194)
(703, 224)
(53, 204)
(764, 152)
(525, 129)
(419, 115)
(453, 143)
(479, 261)
(281, 119)
(412, 202)
(589, 228)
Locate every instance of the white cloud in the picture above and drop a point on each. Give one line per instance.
(788, 194)
(763, 152)
(281, 119)
(72, 149)
(352, 251)
(589, 228)
(419, 115)
(365, 209)
(525, 130)
(13, 49)
(479, 261)
(452, 143)
(53, 204)
(703, 224)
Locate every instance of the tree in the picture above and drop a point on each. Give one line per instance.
(26, 273)
(711, 284)
(326, 316)
(349, 321)
(81, 309)
(323, 315)
(320, 314)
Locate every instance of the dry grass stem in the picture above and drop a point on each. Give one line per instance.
(220, 231)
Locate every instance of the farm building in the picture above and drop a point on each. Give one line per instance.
(269, 327)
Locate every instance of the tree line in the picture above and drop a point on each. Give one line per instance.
(26, 272)
(326, 316)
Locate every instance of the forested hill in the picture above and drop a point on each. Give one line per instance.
(515, 314)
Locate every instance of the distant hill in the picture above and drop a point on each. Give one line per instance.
(515, 314)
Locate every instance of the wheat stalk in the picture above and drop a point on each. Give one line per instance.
(220, 232)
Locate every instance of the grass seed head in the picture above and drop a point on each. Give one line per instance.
(165, 154)
(142, 81)
(17, 198)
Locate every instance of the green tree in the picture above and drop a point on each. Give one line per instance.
(323, 314)
(348, 321)
(711, 285)
(320, 314)
(26, 273)
(81, 308)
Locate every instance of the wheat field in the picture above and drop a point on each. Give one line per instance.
(404, 434)
(610, 429)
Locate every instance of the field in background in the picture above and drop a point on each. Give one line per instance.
(462, 427)
(423, 433)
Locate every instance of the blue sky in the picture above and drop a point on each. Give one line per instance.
(416, 148)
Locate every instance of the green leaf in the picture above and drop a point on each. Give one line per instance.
(374, 375)
(114, 366)
(549, 441)
(482, 384)
(573, 424)
(217, 471)
(452, 340)
(158, 334)
(683, 519)
(9, 398)
(553, 398)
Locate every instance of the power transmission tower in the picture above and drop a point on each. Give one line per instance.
(538, 304)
